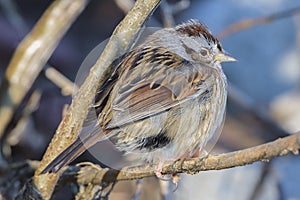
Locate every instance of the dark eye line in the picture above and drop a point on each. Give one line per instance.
(187, 49)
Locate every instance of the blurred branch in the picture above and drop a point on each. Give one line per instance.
(120, 41)
(67, 86)
(237, 96)
(19, 124)
(32, 53)
(265, 171)
(15, 135)
(249, 23)
(245, 102)
(169, 10)
(125, 5)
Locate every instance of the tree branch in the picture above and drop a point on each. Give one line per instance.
(92, 174)
(121, 40)
(32, 53)
(249, 23)
(280, 147)
(67, 87)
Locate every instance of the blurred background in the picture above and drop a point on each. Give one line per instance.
(263, 102)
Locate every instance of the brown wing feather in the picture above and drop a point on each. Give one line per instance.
(138, 91)
(141, 93)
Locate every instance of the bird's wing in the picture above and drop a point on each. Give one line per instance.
(134, 92)
(103, 92)
(157, 81)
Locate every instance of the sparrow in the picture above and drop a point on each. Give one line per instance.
(164, 99)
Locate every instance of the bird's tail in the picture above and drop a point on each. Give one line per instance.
(72, 152)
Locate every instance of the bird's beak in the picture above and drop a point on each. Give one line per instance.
(221, 57)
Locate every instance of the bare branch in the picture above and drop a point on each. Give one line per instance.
(125, 5)
(70, 126)
(67, 86)
(15, 135)
(92, 174)
(280, 147)
(33, 52)
(248, 23)
(169, 10)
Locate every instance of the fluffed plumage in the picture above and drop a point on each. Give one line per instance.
(165, 99)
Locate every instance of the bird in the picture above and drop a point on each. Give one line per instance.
(164, 99)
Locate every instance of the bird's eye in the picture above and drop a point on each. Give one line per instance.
(204, 52)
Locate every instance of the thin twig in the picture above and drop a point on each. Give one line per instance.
(125, 5)
(265, 171)
(167, 14)
(15, 135)
(239, 97)
(169, 10)
(264, 152)
(67, 86)
(248, 23)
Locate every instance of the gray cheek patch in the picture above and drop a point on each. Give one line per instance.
(189, 51)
